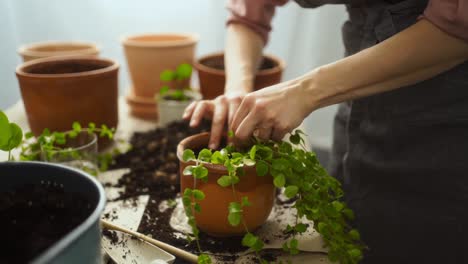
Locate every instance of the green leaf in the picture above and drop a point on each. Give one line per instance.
(76, 126)
(188, 170)
(164, 90)
(291, 191)
(5, 132)
(188, 155)
(184, 71)
(199, 195)
(200, 172)
(301, 228)
(245, 201)
(217, 158)
(295, 139)
(261, 167)
(224, 181)
(348, 213)
(230, 133)
(248, 162)
(354, 234)
(205, 155)
(235, 207)
(252, 241)
(252, 152)
(197, 208)
(188, 192)
(338, 205)
(16, 137)
(29, 135)
(167, 75)
(204, 259)
(279, 180)
(280, 164)
(355, 253)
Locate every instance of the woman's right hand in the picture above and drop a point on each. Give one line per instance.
(220, 110)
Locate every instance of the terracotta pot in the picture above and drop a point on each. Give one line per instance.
(60, 90)
(213, 216)
(172, 110)
(49, 49)
(212, 77)
(149, 54)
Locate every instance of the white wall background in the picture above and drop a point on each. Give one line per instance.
(304, 38)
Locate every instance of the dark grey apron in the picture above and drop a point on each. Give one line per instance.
(403, 155)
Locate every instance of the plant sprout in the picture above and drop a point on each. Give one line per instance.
(178, 79)
(11, 135)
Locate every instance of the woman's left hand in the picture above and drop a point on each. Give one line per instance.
(271, 112)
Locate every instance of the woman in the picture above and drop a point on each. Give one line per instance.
(401, 131)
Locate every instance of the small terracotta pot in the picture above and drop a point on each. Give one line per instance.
(50, 49)
(60, 90)
(212, 77)
(150, 54)
(214, 208)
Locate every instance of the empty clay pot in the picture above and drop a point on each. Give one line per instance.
(212, 77)
(60, 90)
(150, 54)
(214, 208)
(49, 49)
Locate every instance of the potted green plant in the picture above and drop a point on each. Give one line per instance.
(49, 213)
(176, 95)
(233, 177)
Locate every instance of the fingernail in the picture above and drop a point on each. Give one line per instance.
(192, 123)
(212, 146)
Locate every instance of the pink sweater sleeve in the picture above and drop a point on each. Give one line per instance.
(449, 15)
(255, 14)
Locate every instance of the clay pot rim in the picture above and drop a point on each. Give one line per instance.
(27, 50)
(113, 66)
(217, 168)
(189, 39)
(199, 66)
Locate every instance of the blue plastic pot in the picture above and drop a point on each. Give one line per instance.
(82, 244)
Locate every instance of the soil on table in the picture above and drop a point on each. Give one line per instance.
(154, 169)
(34, 217)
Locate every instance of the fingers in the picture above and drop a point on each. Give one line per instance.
(219, 121)
(202, 108)
(241, 113)
(189, 110)
(233, 106)
(245, 130)
(263, 133)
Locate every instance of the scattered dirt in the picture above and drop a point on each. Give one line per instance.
(34, 217)
(112, 235)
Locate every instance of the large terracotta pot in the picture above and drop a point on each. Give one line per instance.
(212, 77)
(60, 90)
(50, 49)
(214, 208)
(147, 56)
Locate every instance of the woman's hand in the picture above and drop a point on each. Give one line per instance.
(272, 112)
(220, 110)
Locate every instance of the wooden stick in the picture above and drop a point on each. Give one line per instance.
(171, 249)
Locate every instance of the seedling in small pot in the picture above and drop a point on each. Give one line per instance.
(318, 196)
(179, 79)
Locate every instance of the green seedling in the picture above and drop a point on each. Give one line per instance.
(178, 79)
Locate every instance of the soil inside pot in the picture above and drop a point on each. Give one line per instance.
(154, 170)
(69, 66)
(218, 63)
(34, 217)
